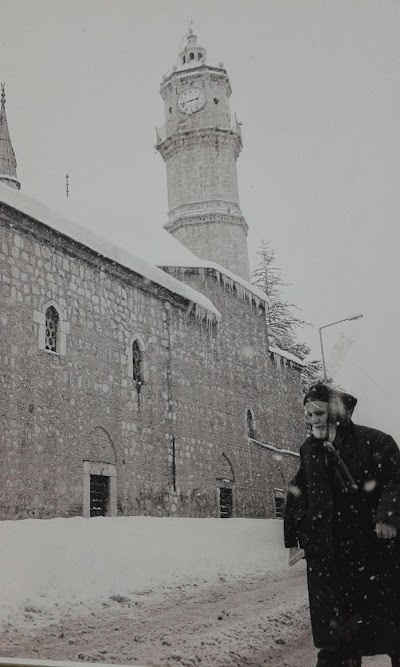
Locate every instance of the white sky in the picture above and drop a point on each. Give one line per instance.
(316, 84)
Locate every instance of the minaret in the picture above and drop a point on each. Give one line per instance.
(200, 143)
(8, 163)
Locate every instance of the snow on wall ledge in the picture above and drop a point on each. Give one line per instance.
(286, 356)
(274, 448)
(204, 308)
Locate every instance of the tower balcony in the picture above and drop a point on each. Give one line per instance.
(192, 66)
(189, 124)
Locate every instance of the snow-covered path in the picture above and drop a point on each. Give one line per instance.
(251, 620)
(237, 621)
(157, 592)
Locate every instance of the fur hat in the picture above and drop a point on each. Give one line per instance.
(328, 394)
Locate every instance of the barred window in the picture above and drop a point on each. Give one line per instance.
(137, 364)
(250, 425)
(279, 501)
(52, 320)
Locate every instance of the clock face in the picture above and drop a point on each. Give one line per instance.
(191, 100)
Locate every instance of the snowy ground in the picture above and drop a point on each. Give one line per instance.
(157, 592)
(69, 561)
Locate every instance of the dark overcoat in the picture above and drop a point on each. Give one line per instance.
(353, 576)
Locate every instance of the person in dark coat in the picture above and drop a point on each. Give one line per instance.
(343, 510)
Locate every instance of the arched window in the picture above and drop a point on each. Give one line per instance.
(52, 320)
(191, 56)
(250, 425)
(184, 59)
(137, 365)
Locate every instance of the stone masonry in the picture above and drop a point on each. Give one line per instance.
(167, 449)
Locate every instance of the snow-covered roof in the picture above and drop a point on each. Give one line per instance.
(165, 251)
(228, 277)
(286, 355)
(38, 211)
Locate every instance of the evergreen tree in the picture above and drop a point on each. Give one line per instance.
(283, 323)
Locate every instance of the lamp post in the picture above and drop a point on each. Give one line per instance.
(346, 319)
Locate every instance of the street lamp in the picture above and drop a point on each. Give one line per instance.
(346, 319)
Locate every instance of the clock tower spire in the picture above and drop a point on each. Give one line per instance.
(200, 143)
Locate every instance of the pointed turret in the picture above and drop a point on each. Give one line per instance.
(8, 163)
(192, 53)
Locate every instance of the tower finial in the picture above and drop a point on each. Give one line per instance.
(3, 95)
(191, 53)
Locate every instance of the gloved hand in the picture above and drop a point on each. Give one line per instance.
(295, 554)
(385, 531)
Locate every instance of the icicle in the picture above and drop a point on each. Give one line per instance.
(201, 313)
(218, 276)
(228, 282)
(210, 320)
(189, 308)
(241, 292)
(201, 272)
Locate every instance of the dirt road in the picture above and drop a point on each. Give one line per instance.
(253, 621)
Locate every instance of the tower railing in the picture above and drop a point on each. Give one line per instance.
(172, 127)
(192, 65)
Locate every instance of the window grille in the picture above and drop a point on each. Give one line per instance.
(52, 320)
(137, 364)
(225, 503)
(250, 425)
(99, 495)
(280, 502)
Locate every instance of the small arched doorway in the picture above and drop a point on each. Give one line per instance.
(99, 475)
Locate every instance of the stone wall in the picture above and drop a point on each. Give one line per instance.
(202, 168)
(234, 373)
(168, 447)
(216, 89)
(220, 242)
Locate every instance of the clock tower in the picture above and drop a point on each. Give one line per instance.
(200, 143)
